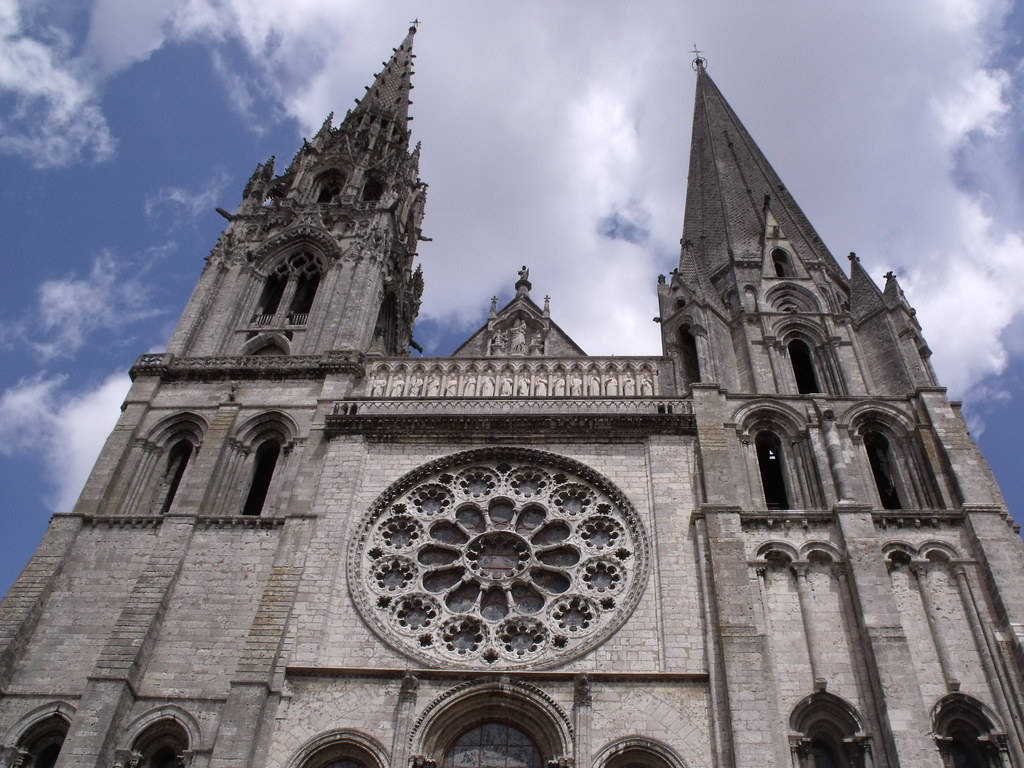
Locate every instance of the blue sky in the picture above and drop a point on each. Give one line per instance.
(554, 135)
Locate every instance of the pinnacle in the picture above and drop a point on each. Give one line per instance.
(388, 95)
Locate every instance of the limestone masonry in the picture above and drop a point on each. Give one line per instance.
(774, 545)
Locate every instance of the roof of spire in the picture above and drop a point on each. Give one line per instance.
(865, 296)
(729, 185)
(389, 93)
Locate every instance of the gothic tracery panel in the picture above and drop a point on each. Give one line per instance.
(512, 557)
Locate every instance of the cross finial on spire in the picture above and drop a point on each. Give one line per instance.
(699, 62)
(414, 24)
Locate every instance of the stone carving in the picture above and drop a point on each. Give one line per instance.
(508, 557)
(610, 377)
(518, 338)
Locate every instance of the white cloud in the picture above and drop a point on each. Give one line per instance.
(70, 309)
(40, 417)
(56, 118)
(185, 206)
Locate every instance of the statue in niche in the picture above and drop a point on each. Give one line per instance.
(416, 388)
(611, 387)
(379, 385)
(506, 385)
(541, 390)
(524, 386)
(487, 387)
(559, 388)
(628, 387)
(498, 342)
(433, 386)
(398, 387)
(594, 385)
(576, 385)
(517, 344)
(451, 389)
(646, 385)
(524, 273)
(469, 389)
(536, 344)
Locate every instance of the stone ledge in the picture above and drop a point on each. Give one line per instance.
(171, 368)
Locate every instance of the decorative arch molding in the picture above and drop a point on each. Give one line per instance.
(137, 729)
(789, 297)
(654, 751)
(186, 424)
(875, 412)
(962, 723)
(823, 705)
(275, 424)
(766, 412)
(340, 743)
(824, 721)
(777, 550)
(25, 724)
(317, 240)
(789, 328)
(820, 550)
(960, 705)
(279, 341)
(473, 702)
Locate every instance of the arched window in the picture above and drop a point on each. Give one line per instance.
(329, 186)
(769, 462)
(780, 261)
(691, 360)
(43, 741)
(880, 458)
(493, 745)
(177, 461)
(270, 298)
(387, 324)
(826, 731)
(965, 734)
(263, 472)
(803, 367)
(162, 745)
(373, 189)
(302, 302)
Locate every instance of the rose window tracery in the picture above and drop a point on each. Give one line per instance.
(525, 559)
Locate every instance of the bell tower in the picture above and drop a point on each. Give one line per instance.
(319, 257)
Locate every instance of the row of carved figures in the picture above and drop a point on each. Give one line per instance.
(510, 384)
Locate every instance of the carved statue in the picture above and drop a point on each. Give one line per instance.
(559, 390)
(628, 387)
(506, 385)
(398, 387)
(524, 273)
(498, 342)
(469, 389)
(518, 343)
(451, 389)
(416, 388)
(611, 387)
(594, 386)
(536, 344)
(541, 390)
(576, 386)
(487, 388)
(433, 386)
(379, 384)
(524, 386)
(646, 385)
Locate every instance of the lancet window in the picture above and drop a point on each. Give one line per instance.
(40, 746)
(690, 357)
(966, 736)
(802, 360)
(781, 263)
(177, 461)
(880, 458)
(265, 462)
(769, 462)
(329, 186)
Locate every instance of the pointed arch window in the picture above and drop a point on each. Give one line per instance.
(270, 298)
(966, 735)
(43, 742)
(264, 464)
(162, 745)
(882, 468)
(691, 359)
(329, 186)
(803, 367)
(769, 462)
(493, 745)
(781, 263)
(177, 461)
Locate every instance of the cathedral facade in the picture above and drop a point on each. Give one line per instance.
(775, 544)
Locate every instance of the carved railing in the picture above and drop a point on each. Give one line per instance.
(243, 366)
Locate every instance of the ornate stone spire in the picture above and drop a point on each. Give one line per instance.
(388, 96)
(731, 184)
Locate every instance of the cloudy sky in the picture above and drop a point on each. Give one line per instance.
(554, 135)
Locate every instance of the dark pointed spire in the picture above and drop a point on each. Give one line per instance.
(731, 183)
(388, 96)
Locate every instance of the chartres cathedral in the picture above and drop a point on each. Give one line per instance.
(774, 545)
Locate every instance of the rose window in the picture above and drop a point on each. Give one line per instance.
(515, 558)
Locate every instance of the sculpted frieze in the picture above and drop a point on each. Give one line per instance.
(600, 378)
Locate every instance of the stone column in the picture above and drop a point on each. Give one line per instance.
(800, 570)
(920, 571)
(835, 456)
(404, 709)
(582, 705)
